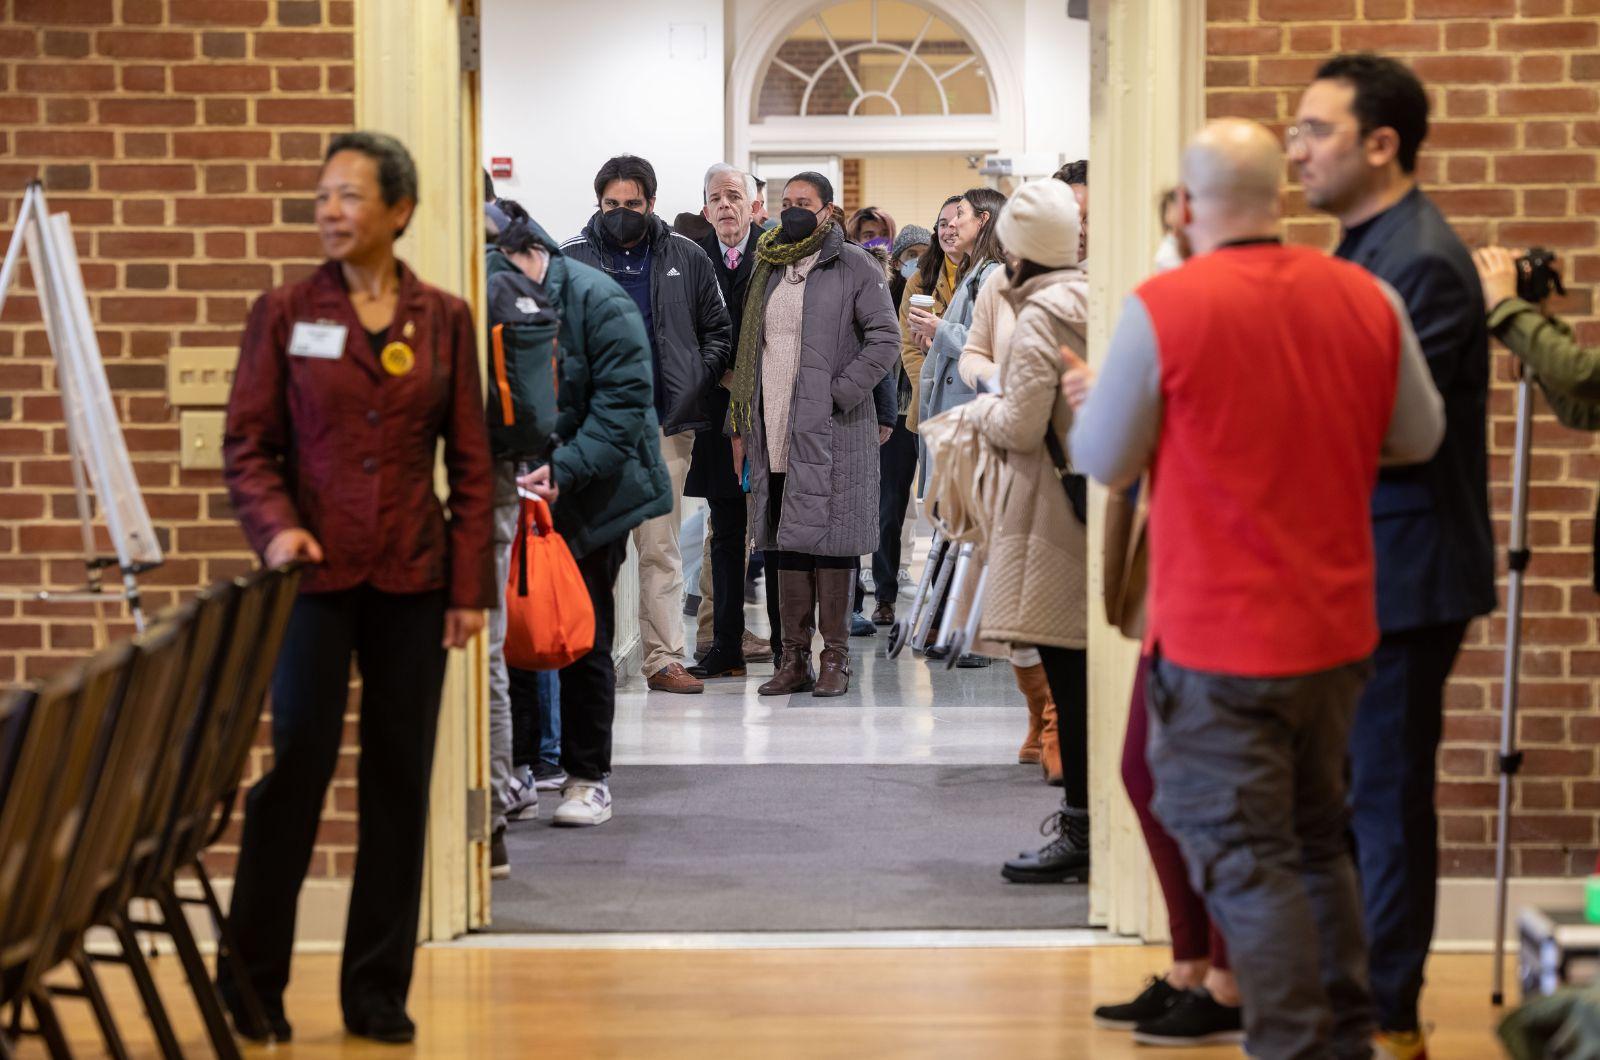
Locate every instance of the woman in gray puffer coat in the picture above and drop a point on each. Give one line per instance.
(819, 333)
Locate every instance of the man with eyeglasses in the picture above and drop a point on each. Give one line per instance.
(1355, 141)
(670, 279)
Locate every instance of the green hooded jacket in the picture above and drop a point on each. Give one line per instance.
(608, 466)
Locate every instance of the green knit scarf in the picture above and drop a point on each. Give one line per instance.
(770, 254)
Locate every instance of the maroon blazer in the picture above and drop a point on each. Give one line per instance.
(345, 450)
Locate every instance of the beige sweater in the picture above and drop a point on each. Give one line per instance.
(780, 358)
(993, 319)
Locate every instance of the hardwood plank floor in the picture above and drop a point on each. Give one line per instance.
(754, 1003)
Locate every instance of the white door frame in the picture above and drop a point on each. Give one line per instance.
(1147, 98)
(410, 83)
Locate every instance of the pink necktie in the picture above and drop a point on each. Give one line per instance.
(731, 256)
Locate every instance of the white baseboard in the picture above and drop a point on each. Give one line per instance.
(1465, 920)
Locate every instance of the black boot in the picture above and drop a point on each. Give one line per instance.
(718, 662)
(1065, 859)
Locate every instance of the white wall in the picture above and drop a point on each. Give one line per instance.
(566, 85)
(1055, 63)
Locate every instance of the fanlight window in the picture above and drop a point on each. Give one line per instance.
(867, 58)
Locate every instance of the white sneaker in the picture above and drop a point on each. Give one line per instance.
(522, 800)
(584, 803)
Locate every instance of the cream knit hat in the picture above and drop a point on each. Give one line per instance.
(1040, 224)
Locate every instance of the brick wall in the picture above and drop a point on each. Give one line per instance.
(183, 137)
(1514, 158)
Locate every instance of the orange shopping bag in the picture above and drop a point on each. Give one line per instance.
(549, 616)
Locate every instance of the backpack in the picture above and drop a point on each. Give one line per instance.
(524, 368)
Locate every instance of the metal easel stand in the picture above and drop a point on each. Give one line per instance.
(1510, 759)
(57, 279)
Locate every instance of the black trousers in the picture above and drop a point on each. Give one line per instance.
(897, 469)
(1067, 670)
(589, 686)
(729, 521)
(1394, 748)
(395, 640)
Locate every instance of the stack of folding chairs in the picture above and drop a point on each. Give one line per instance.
(115, 776)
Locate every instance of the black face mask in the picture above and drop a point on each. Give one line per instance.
(798, 224)
(624, 226)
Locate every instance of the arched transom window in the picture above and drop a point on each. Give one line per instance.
(875, 58)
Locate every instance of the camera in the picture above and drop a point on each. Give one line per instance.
(1537, 275)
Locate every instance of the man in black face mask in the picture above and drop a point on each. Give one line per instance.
(673, 284)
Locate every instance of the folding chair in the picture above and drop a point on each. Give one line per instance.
(44, 815)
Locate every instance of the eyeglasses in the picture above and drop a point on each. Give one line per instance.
(1304, 134)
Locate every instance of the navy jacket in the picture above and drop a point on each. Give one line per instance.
(1430, 522)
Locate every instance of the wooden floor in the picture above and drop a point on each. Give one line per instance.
(757, 1003)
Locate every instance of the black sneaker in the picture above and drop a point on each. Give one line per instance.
(1158, 996)
(1065, 859)
(1196, 1018)
(499, 861)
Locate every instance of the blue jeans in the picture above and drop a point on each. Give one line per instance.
(536, 708)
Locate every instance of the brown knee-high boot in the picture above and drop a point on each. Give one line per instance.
(1050, 747)
(1036, 690)
(835, 596)
(797, 595)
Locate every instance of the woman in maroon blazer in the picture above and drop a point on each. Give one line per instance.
(347, 382)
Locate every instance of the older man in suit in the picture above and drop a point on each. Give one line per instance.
(729, 194)
(1355, 141)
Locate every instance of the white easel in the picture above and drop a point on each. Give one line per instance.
(99, 453)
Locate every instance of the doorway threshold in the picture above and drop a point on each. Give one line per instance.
(1071, 938)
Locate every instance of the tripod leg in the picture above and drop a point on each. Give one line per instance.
(154, 1009)
(194, 966)
(97, 1002)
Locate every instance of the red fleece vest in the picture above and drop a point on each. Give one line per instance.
(1278, 378)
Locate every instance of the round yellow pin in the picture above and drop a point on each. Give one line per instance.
(397, 358)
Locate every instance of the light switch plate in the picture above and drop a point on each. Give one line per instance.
(201, 439)
(199, 376)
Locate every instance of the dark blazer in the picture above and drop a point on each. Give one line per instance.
(711, 470)
(1430, 522)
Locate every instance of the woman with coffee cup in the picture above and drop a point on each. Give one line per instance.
(926, 294)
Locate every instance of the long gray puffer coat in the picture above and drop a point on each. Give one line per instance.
(849, 339)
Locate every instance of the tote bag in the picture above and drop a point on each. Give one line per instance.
(549, 616)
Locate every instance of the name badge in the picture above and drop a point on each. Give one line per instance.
(318, 340)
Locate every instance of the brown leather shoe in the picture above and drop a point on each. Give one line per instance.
(797, 594)
(1035, 688)
(674, 678)
(834, 677)
(756, 649)
(883, 615)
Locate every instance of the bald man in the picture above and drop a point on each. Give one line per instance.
(1261, 385)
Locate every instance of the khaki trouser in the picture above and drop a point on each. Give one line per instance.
(661, 566)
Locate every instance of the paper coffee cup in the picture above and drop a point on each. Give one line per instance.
(922, 301)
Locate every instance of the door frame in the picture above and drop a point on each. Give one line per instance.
(412, 82)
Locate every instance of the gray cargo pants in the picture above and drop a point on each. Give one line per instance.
(505, 529)
(1250, 780)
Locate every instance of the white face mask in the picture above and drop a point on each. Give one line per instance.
(908, 267)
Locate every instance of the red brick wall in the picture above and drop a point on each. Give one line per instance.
(183, 137)
(1514, 158)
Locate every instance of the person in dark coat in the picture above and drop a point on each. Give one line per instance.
(818, 335)
(347, 382)
(671, 282)
(605, 477)
(731, 248)
(1355, 142)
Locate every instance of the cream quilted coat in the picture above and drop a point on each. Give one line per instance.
(1037, 588)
